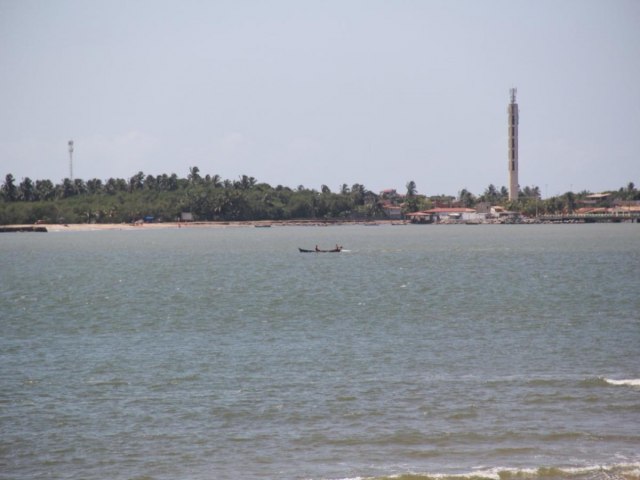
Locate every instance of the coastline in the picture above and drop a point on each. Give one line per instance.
(91, 227)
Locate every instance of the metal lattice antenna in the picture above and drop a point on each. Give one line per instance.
(70, 159)
(512, 92)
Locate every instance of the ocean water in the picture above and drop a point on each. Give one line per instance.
(419, 352)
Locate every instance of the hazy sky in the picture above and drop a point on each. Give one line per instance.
(323, 92)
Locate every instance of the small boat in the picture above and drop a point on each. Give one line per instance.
(318, 250)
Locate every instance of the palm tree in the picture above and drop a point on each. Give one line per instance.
(216, 181)
(245, 183)
(67, 189)
(411, 189)
(467, 199)
(375, 210)
(80, 186)
(136, 182)
(570, 202)
(9, 189)
(536, 192)
(110, 187)
(172, 182)
(631, 191)
(490, 194)
(27, 190)
(358, 192)
(151, 182)
(194, 175)
(94, 186)
(121, 184)
(44, 189)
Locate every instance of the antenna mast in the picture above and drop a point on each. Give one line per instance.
(70, 159)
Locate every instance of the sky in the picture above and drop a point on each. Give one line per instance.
(327, 92)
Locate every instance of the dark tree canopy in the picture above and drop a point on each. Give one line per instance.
(209, 197)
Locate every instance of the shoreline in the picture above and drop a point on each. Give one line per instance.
(91, 227)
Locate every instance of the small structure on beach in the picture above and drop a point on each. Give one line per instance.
(419, 217)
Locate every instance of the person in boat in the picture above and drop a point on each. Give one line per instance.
(317, 249)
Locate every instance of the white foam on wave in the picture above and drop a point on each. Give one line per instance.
(621, 470)
(350, 478)
(631, 382)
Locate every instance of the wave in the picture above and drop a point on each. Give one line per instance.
(624, 471)
(554, 398)
(605, 382)
(631, 382)
(113, 382)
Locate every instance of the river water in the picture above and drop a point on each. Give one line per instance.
(485, 351)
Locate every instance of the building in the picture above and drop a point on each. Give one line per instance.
(393, 212)
(453, 214)
(445, 215)
(513, 120)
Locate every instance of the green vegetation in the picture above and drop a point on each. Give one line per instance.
(530, 204)
(209, 198)
(165, 197)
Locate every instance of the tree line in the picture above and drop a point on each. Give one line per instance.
(210, 198)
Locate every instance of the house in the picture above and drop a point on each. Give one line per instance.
(394, 212)
(620, 209)
(454, 214)
(598, 196)
(446, 215)
(591, 211)
(419, 217)
(483, 207)
(389, 193)
(629, 209)
(503, 213)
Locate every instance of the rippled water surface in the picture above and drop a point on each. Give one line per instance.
(223, 353)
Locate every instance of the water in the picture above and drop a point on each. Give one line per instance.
(223, 353)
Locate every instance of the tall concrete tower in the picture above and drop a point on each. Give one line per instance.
(512, 110)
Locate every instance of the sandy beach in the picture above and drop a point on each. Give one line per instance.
(89, 227)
